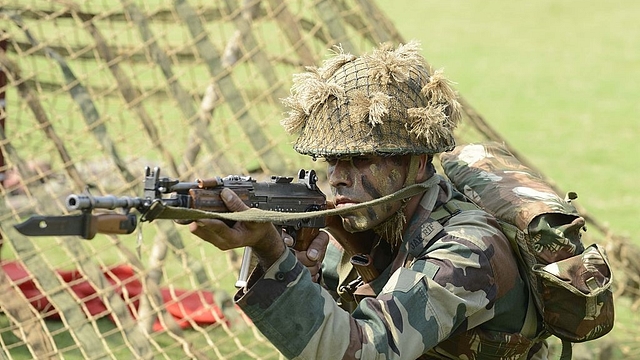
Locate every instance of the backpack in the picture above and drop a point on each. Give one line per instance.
(570, 284)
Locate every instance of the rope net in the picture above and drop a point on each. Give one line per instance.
(94, 91)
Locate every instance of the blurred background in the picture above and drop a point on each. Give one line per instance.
(94, 91)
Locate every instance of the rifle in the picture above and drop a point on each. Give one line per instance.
(279, 194)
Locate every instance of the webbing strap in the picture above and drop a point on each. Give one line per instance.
(566, 350)
(530, 325)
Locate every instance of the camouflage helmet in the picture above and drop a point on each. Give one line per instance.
(385, 103)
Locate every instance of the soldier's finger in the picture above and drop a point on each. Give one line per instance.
(288, 239)
(318, 247)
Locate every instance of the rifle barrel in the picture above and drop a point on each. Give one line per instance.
(87, 202)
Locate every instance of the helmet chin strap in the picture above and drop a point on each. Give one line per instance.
(412, 173)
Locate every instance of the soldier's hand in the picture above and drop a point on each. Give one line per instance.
(263, 238)
(314, 255)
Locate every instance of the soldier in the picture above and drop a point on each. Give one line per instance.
(418, 288)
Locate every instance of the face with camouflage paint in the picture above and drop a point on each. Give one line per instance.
(358, 179)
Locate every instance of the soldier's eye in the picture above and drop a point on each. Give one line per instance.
(361, 160)
(332, 161)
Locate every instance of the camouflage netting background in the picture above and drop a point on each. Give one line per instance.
(93, 92)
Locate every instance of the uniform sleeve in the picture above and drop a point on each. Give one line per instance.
(297, 315)
(450, 289)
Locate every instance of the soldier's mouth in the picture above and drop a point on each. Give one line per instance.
(343, 202)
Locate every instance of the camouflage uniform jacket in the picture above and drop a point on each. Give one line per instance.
(452, 293)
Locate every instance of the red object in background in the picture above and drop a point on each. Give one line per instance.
(186, 306)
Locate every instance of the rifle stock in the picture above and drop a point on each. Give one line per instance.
(351, 243)
(356, 245)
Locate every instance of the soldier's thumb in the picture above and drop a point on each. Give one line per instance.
(232, 201)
